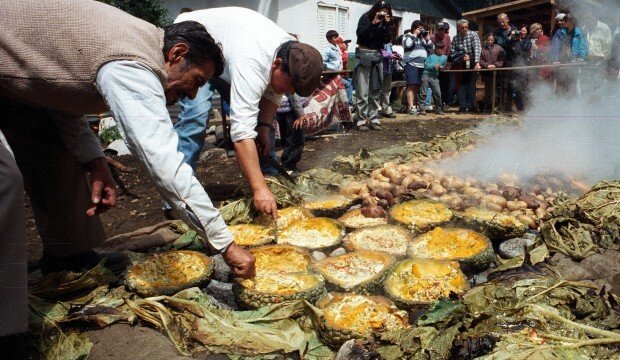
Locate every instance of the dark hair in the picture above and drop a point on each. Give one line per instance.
(416, 24)
(185, 10)
(570, 17)
(330, 34)
(201, 44)
(377, 7)
(283, 53)
(487, 36)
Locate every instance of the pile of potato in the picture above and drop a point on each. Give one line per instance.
(393, 182)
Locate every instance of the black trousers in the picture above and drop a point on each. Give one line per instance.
(292, 140)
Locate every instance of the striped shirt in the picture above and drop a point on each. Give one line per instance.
(416, 50)
(468, 44)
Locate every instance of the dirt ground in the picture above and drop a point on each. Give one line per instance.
(220, 176)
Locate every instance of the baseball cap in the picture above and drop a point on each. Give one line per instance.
(444, 25)
(305, 65)
(560, 16)
(340, 41)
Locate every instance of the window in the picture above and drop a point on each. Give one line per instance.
(332, 17)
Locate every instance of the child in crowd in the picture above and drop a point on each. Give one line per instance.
(430, 78)
(291, 139)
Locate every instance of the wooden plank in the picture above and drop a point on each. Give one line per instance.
(507, 7)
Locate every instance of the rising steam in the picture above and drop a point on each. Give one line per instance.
(577, 136)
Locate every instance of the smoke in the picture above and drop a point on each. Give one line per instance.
(574, 134)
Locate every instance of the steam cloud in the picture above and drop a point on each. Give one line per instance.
(576, 136)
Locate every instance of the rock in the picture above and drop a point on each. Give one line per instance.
(357, 349)
(222, 294)
(221, 271)
(213, 154)
(338, 251)
(120, 147)
(318, 256)
(514, 247)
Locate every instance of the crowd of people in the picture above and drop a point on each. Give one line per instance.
(422, 58)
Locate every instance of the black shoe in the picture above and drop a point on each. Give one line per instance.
(84, 261)
(376, 127)
(168, 214)
(462, 110)
(389, 116)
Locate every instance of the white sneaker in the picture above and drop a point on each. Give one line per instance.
(412, 111)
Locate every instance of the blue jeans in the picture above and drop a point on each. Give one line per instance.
(429, 96)
(348, 86)
(467, 91)
(192, 124)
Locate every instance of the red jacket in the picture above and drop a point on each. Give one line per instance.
(493, 56)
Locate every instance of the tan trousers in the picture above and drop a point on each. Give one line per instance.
(56, 185)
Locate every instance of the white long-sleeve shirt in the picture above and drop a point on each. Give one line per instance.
(249, 42)
(136, 99)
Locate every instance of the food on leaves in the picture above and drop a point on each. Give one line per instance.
(356, 219)
(347, 316)
(169, 272)
(273, 288)
(420, 215)
(314, 233)
(497, 226)
(281, 259)
(392, 239)
(359, 272)
(329, 206)
(468, 247)
(248, 235)
(422, 281)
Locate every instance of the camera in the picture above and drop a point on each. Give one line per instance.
(381, 16)
(424, 33)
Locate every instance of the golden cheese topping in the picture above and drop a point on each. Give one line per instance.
(355, 219)
(505, 220)
(392, 239)
(330, 202)
(352, 269)
(313, 233)
(363, 314)
(448, 244)
(280, 259)
(251, 234)
(425, 280)
(281, 284)
(286, 217)
(158, 273)
(421, 213)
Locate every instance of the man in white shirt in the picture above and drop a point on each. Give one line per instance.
(100, 58)
(262, 62)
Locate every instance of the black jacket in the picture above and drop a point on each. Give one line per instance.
(373, 36)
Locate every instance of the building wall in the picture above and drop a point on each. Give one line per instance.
(299, 16)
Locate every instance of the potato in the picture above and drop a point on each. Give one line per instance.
(382, 194)
(399, 191)
(516, 205)
(491, 206)
(494, 192)
(470, 190)
(511, 193)
(383, 203)
(418, 185)
(370, 200)
(495, 199)
(437, 189)
(531, 201)
(468, 202)
(478, 195)
(375, 184)
(409, 179)
(378, 175)
(373, 211)
(491, 187)
(508, 179)
(527, 220)
(541, 213)
(428, 177)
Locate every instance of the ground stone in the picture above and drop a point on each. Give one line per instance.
(221, 271)
(514, 247)
(318, 256)
(222, 294)
(339, 251)
(213, 154)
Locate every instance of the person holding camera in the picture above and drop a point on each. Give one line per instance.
(374, 29)
(417, 44)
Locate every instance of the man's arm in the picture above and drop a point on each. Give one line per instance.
(252, 101)
(136, 99)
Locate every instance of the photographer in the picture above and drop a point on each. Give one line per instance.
(374, 29)
(417, 43)
(507, 36)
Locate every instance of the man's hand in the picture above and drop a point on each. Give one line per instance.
(465, 57)
(240, 261)
(265, 202)
(103, 189)
(263, 140)
(491, 66)
(437, 66)
(300, 123)
(477, 66)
